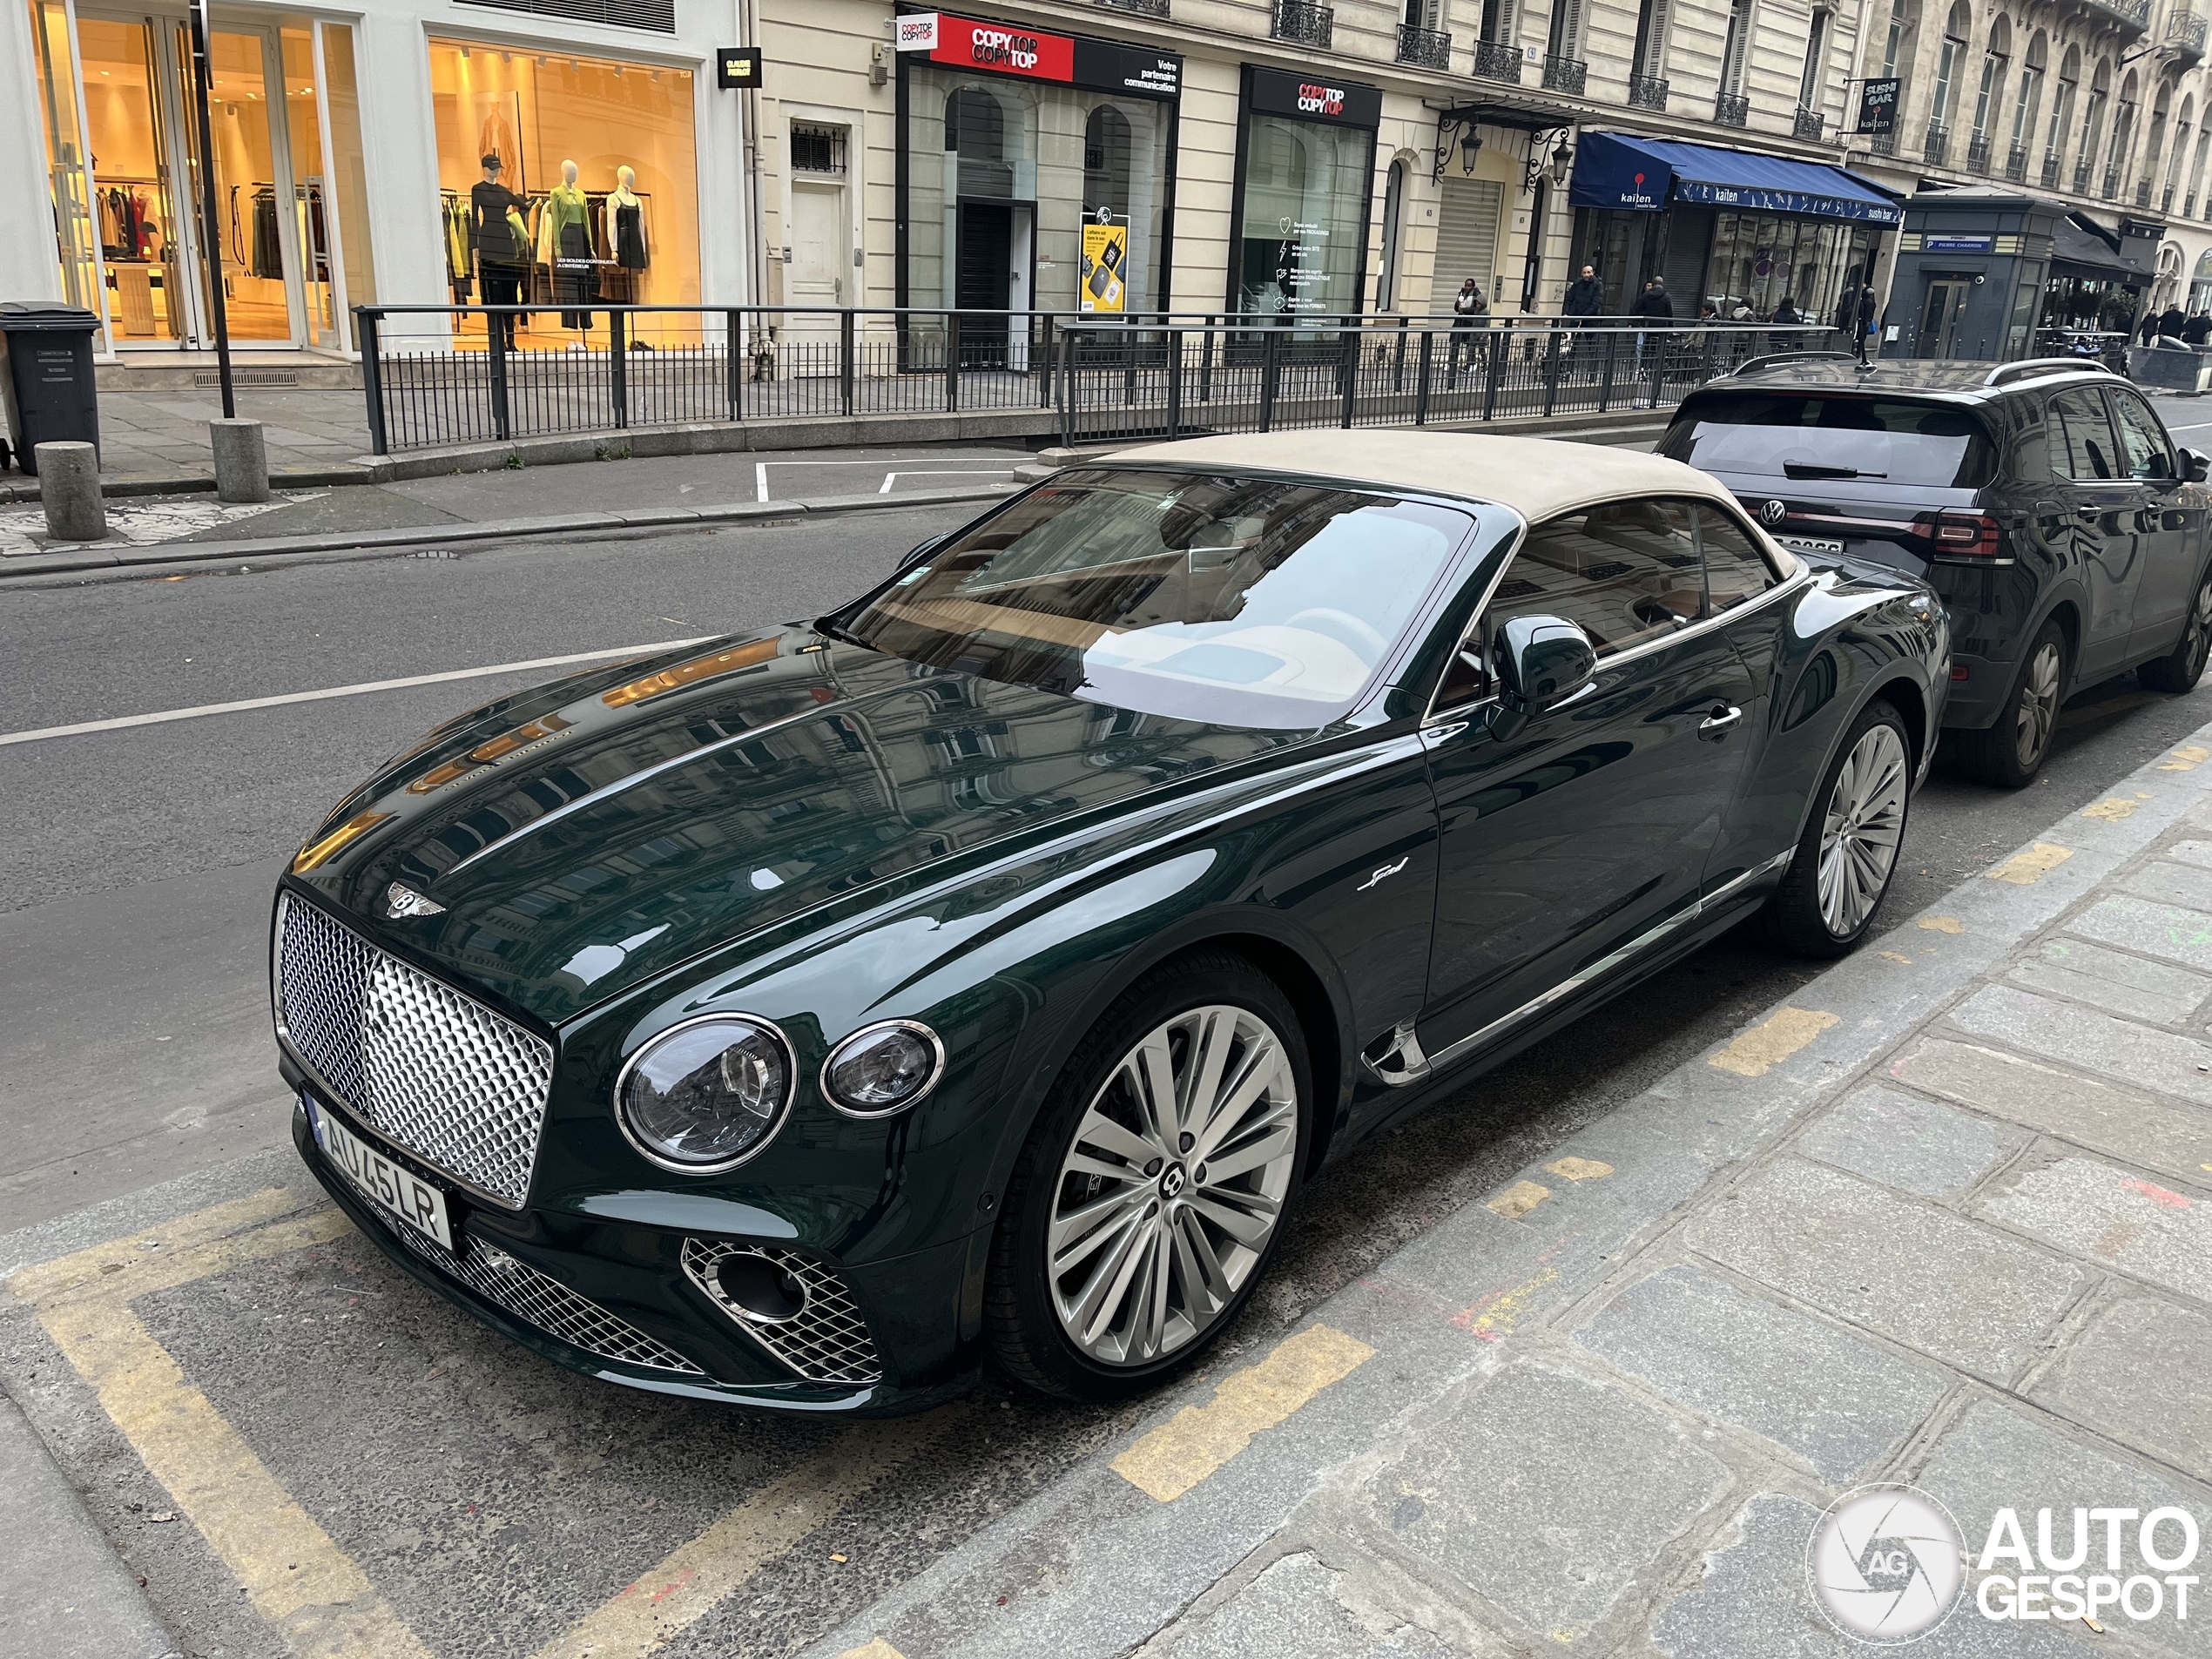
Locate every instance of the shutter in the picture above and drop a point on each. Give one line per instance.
(1658, 14)
(1466, 239)
(656, 15)
(1690, 240)
(1567, 29)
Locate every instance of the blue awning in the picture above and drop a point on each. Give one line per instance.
(1612, 170)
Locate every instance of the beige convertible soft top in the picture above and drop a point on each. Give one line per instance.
(1536, 477)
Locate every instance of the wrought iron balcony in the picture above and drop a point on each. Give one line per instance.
(2166, 199)
(2016, 164)
(1807, 124)
(1647, 91)
(2133, 16)
(2111, 192)
(1882, 144)
(2142, 193)
(1430, 48)
(1148, 7)
(1568, 75)
(2185, 34)
(1312, 25)
(1978, 153)
(1732, 110)
(2051, 171)
(1495, 61)
(2189, 206)
(2081, 171)
(1937, 146)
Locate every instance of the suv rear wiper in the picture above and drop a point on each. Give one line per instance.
(1812, 469)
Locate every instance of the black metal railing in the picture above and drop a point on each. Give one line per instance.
(2111, 192)
(1146, 8)
(1568, 75)
(2082, 169)
(1978, 152)
(1882, 144)
(2142, 193)
(2166, 199)
(2185, 34)
(1309, 25)
(2051, 171)
(2016, 164)
(1430, 48)
(1732, 110)
(1937, 145)
(1495, 61)
(1807, 124)
(1647, 91)
(2131, 14)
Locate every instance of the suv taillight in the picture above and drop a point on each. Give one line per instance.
(1970, 536)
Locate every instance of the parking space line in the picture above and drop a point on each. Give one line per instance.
(696, 1577)
(1198, 1439)
(1771, 1042)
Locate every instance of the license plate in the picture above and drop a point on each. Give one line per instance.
(1811, 544)
(401, 1194)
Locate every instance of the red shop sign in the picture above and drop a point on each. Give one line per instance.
(967, 44)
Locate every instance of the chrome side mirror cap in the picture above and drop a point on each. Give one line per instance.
(1543, 661)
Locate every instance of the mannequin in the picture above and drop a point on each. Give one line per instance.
(626, 242)
(574, 275)
(502, 242)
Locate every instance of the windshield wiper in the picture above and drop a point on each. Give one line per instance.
(1813, 470)
(837, 630)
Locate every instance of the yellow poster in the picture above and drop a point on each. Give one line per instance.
(1105, 254)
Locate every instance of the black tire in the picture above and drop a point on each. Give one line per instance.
(2180, 668)
(1022, 1296)
(1808, 917)
(2012, 750)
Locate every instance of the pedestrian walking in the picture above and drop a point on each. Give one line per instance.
(1652, 307)
(1470, 310)
(2197, 330)
(1583, 303)
(1786, 314)
(2148, 333)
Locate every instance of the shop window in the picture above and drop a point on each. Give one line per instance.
(1306, 199)
(817, 149)
(1106, 162)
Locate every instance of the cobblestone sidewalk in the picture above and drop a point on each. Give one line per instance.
(1945, 1220)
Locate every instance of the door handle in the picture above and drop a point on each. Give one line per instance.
(1717, 723)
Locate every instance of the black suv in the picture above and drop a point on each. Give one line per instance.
(2044, 499)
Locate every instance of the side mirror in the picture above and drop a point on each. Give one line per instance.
(1543, 661)
(2196, 466)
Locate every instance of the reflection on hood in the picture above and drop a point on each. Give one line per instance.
(583, 836)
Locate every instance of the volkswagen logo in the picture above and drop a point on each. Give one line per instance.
(1171, 1182)
(1772, 514)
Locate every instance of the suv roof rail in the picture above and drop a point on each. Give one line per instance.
(1758, 365)
(2029, 368)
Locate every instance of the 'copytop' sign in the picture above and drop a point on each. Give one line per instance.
(1027, 52)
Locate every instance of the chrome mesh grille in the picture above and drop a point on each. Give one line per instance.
(547, 1304)
(437, 1072)
(826, 1341)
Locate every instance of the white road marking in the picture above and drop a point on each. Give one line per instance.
(244, 703)
(760, 479)
(760, 470)
(2197, 426)
(890, 478)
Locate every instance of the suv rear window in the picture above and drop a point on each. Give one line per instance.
(1810, 437)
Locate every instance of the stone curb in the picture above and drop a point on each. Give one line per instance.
(588, 526)
(1091, 1566)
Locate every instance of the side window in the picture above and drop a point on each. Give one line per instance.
(1625, 573)
(2087, 452)
(2142, 441)
(1735, 568)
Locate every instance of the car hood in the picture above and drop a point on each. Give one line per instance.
(584, 836)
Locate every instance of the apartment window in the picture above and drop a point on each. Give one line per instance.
(1816, 62)
(1994, 61)
(1497, 21)
(1732, 51)
(2062, 105)
(1652, 18)
(2030, 95)
(815, 149)
(1566, 38)
(1899, 49)
(1954, 47)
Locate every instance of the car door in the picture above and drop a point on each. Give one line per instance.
(1586, 829)
(2098, 538)
(2169, 526)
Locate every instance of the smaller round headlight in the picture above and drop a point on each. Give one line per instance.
(706, 1095)
(883, 1068)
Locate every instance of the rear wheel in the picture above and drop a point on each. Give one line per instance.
(1848, 853)
(2180, 668)
(2011, 750)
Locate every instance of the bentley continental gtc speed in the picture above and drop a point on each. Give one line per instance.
(979, 970)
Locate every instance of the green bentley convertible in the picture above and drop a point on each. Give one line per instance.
(981, 970)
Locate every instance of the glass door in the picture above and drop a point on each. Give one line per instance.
(254, 227)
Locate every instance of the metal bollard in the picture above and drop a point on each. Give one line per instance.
(241, 461)
(69, 486)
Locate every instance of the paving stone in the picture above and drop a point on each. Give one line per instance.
(1909, 1144)
(2197, 853)
(2094, 1210)
(2165, 931)
(2165, 1061)
(1498, 1491)
(2108, 979)
(1961, 1292)
(2138, 1373)
(1999, 1457)
(2158, 1134)
(1754, 1603)
(1297, 1606)
(2167, 882)
(1840, 1403)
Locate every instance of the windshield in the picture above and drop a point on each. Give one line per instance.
(1806, 438)
(1237, 601)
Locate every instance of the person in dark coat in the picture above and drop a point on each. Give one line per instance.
(2148, 333)
(1653, 303)
(1786, 313)
(2197, 331)
(1585, 295)
(2172, 321)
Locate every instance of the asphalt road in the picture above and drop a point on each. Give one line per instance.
(135, 871)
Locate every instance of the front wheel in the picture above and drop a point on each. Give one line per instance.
(1150, 1195)
(2180, 668)
(1848, 851)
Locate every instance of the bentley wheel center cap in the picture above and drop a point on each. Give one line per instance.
(1172, 1180)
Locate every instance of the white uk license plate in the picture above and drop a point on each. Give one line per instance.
(401, 1194)
(1812, 544)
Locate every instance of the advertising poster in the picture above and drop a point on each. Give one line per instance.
(1105, 253)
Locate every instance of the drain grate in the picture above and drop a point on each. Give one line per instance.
(247, 377)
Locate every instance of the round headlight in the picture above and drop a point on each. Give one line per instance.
(883, 1068)
(706, 1095)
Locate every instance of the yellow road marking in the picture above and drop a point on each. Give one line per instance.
(1495, 1316)
(1942, 925)
(2187, 758)
(1897, 956)
(1579, 1169)
(1198, 1439)
(2025, 869)
(1518, 1200)
(696, 1577)
(1772, 1043)
(2110, 810)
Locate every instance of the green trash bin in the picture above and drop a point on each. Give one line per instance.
(46, 377)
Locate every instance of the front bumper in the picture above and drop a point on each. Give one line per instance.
(556, 1283)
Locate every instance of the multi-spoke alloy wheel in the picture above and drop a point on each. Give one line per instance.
(2180, 668)
(1864, 826)
(1173, 1184)
(2038, 706)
